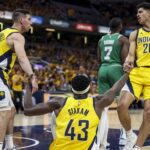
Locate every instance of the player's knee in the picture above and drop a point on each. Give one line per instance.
(122, 107)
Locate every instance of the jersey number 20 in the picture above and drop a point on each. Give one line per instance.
(146, 48)
(70, 130)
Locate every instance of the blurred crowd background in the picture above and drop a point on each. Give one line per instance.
(57, 57)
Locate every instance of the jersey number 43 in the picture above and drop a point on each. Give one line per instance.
(70, 130)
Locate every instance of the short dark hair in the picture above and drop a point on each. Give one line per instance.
(80, 82)
(114, 23)
(144, 5)
(19, 12)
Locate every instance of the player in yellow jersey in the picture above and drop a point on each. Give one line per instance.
(139, 79)
(77, 116)
(11, 46)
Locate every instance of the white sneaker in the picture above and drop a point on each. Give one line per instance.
(123, 137)
(102, 147)
(122, 141)
(131, 141)
(136, 148)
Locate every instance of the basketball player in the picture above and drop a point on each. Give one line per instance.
(11, 46)
(112, 51)
(139, 79)
(78, 116)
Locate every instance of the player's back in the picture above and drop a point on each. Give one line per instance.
(7, 56)
(110, 49)
(76, 126)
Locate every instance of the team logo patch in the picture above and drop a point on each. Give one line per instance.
(2, 95)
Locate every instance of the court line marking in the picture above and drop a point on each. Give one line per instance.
(36, 142)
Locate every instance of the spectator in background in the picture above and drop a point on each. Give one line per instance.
(17, 87)
(38, 96)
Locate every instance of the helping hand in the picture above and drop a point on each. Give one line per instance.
(34, 83)
(128, 66)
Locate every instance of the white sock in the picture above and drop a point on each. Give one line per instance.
(129, 133)
(9, 141)
(1, 145)
(137, 147)
(102, 132)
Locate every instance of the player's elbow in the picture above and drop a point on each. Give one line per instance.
(22, 59)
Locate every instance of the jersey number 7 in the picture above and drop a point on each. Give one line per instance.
(108, 50)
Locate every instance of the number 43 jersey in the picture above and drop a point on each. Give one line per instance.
(76, 126)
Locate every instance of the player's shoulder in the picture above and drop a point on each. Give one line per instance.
(103, 38)
(123, 39)
(133, 34)
(17, 36)
(135, 31)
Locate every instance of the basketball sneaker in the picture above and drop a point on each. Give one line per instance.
(131, 141)
(123, 137)
(122, 141)
(137, 148)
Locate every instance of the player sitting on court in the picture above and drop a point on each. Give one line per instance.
(77, 116)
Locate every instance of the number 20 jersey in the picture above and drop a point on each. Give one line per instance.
(143, 48)
(76, 126)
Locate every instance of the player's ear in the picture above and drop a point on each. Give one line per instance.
(21, 20)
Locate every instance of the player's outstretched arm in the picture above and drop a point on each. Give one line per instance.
(108, 97)
(129, 62)
(19, 43)
(125, 48)
(41, 108)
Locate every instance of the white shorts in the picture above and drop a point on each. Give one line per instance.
(6, 102)
(128, 89)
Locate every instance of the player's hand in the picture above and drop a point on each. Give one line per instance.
(33, 83)
(128, 66)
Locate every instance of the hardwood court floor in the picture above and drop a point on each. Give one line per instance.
(33, 133)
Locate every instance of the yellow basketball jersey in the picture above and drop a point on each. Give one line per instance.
(7, 56)
(17, 86)
(76, 125)
(143, 48)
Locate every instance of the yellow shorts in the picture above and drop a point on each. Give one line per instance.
(139, 79)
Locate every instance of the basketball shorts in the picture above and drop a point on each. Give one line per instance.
(5, 97)
(107, 76)
(139, 83)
